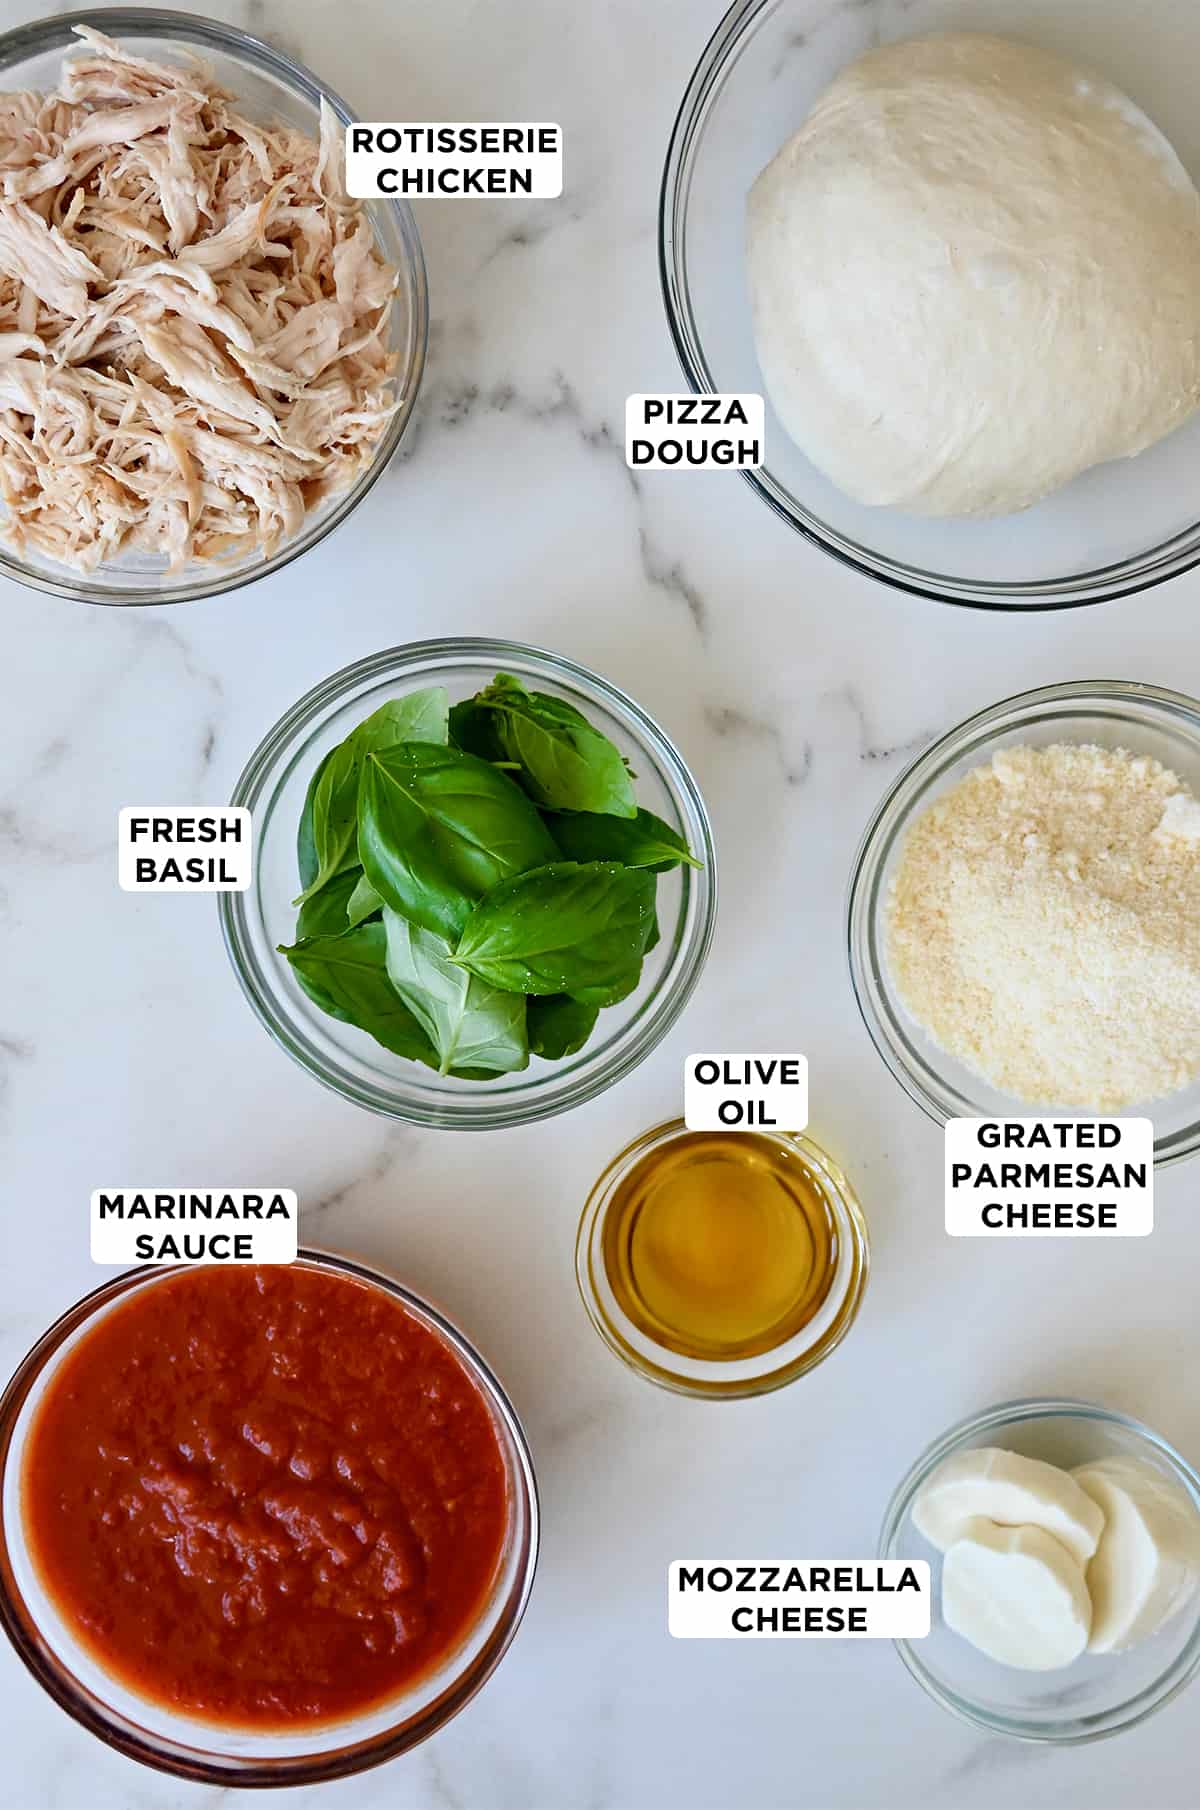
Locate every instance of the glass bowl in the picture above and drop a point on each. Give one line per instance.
(1111, 712)
(190, 1749)
(1100, 1694)
(1114, 530)
(273, 786)
(732, 1379)
(268, 86)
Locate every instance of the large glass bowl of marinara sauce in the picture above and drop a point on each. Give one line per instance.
(261, 1526)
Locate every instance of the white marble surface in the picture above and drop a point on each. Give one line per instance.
(795, 690)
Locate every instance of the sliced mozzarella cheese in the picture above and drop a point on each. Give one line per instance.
(1147, 1565)
(1017, 1594)
(1015, 1491)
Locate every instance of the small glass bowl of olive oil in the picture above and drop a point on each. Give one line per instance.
(722, 1263)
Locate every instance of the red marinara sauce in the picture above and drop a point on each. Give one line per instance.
(265, 1497)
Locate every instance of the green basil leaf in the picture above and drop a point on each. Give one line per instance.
(364, 901)
(559, 1025)
(614, 993)
(347, 976)
(437, 829)
(318, 995)
(421, 716)
(560, 928)
(470, 1024)
(306, 848)
(641, 841)
(475, 730)
(566, 764)
(327, 913)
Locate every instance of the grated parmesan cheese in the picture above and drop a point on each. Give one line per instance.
(1044, 926)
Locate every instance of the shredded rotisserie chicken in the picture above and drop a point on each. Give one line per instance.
(193, 318)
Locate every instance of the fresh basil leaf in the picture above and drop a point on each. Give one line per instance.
(306, 848)
(333, 818)
(327, 913)
(347, 976)
(364, 901)
(438, 828)
(641, 841)
(614, 993)
(560, 928)
(470, 1024)
(421, 716)
(559, 1025)
(566, 764)
(318, 995)
(475, 731)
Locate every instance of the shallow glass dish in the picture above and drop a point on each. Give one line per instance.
(732, 1379)
(1111, 712)
(268, 86)
(1101, 1693)
(273, 787)
(192, 1749)
(1117, 528)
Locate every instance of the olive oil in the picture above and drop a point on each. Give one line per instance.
(720, 1245)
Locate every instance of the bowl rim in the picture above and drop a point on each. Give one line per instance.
(1006, 1414)
(176, 1756)
(670, 1373)
(895, 810)
(1169, 558)
(39, 35)
(484, 1111)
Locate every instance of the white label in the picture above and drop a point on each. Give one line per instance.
(395, 158)
(700, 433)
(830, 1599)
(184, 848)
(193, 1225)
(1057, 1178)
(742, 1093)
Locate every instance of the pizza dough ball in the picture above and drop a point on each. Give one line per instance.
(974, 273)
